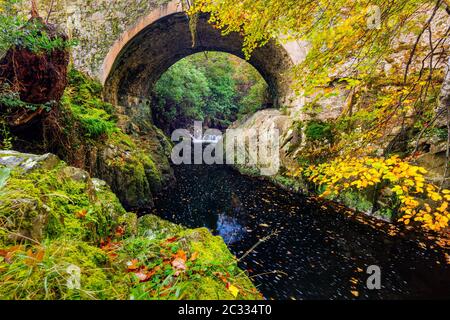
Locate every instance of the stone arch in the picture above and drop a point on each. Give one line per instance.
(144, 52)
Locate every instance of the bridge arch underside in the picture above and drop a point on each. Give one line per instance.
(153, 50)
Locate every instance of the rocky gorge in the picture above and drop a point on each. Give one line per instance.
(87, 184)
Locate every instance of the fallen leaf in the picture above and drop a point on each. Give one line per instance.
(234, 291)
(181, 255)
(81, 214)
(133, 265)
(355, 293)
(120, 231)
(194, 256)
(173, 239)
(141, 276)
(179, 264)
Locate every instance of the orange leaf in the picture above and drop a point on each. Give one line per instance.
(133, 265)
(194, 256)
(81, 214)
(181, 255)
(173, 239)
(120, 231)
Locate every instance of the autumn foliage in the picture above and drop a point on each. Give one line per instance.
(418, 201)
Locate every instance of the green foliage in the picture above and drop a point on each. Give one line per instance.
(83, 98)
(216, 88)
(6, 136)
(11, 102)
(317, 130)
(4, 176)
(17, 31)
(441, 133)
(357, 201)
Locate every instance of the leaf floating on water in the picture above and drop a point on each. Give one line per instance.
(355, 293)
(447, 258)
(264, 225)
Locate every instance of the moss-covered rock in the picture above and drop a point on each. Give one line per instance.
(42, 202)
(65, 235)
(50, 271)
(128, 152)
(183, 264)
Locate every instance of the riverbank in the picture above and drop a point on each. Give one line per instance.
(65, 235)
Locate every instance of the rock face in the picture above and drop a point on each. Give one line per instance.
(135, 162)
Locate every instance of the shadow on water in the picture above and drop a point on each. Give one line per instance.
(316, 254)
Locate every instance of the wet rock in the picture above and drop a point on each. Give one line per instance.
(74, 174)
(98, 184)
(27, 162)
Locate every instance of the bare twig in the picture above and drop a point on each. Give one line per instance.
(50, 10)
(20, 236)
(413, 51)
(447, 151)
(257, 244)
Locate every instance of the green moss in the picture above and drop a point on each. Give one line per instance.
(83, 98)
(210, 267)
(154, 227)
(47, 204)
(316, 130)
(356, 200)
(30, 276)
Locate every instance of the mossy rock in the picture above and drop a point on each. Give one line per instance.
(63, 201)
(59, 220)
(50, 272)
(153, 226)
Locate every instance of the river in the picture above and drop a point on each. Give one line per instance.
(313, 251)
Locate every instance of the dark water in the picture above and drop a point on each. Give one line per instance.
(316, 253)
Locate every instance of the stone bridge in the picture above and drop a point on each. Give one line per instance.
(128, 45)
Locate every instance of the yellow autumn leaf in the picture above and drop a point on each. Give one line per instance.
(234, 291)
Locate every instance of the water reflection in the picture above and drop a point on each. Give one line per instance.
(229, 228)
(316, 254)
